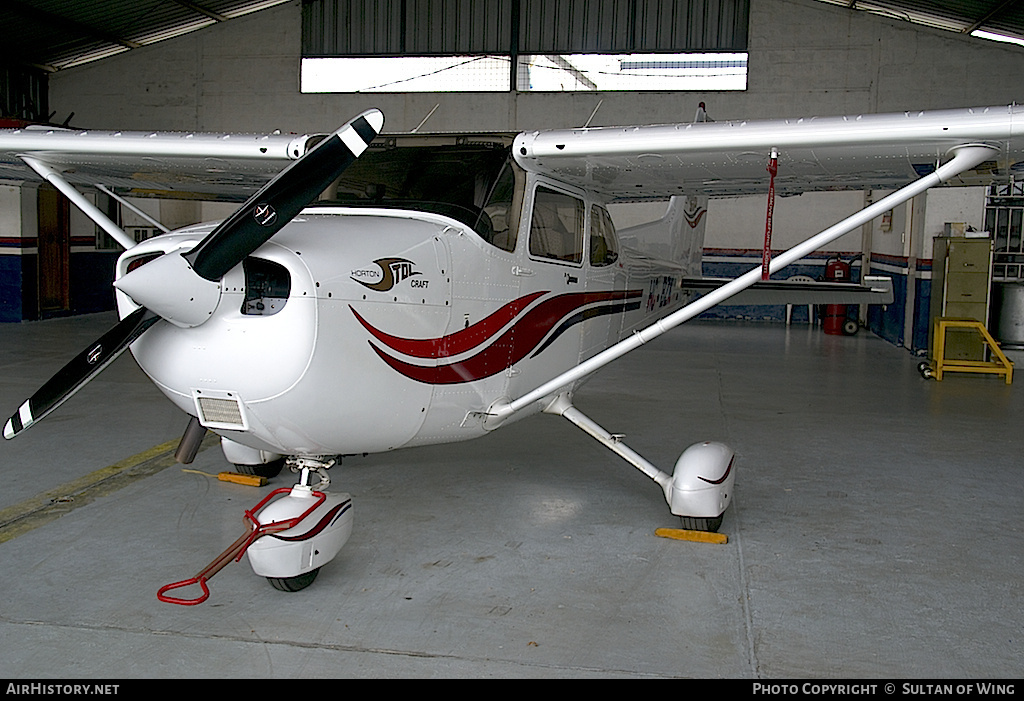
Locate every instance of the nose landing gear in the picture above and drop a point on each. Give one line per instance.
(291, 534)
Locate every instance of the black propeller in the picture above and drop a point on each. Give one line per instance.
(185, 288)
(281, 199)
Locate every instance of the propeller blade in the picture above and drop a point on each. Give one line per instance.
(262, 216)
(280, 200)
(86, 365)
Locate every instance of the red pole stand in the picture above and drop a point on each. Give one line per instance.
(766, 254)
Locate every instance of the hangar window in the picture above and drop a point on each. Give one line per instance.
(523, 45)
(534, 73)
(575, 72)
(405, 74)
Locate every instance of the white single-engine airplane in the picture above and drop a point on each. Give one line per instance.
(382, 292)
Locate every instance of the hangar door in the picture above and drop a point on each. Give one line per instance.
(54, 245)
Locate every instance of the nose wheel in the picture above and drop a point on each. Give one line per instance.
(289, 536)
(692, 523)
(269, 470)
(297, 583)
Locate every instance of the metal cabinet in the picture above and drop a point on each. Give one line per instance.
(961, 289)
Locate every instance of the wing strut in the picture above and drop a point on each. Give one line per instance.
(707, 466)
(113, 195)
(68, 190)
(964, 158)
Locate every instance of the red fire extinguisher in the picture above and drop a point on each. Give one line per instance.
(835, 321)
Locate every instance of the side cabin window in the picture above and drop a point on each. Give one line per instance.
(604, 247)
(556, 227)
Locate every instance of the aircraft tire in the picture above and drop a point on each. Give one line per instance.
(271, 469)
(709, 525)
(296, 583)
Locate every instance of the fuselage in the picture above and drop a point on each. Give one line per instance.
(364, 329)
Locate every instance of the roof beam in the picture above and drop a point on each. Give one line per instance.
(989, 16)
(201, 10)
(54, 20)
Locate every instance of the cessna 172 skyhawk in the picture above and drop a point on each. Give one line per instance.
(441, 287)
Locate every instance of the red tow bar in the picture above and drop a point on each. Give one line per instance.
(237, 549)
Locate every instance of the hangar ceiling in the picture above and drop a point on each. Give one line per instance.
(56, 34)
(1004, 17)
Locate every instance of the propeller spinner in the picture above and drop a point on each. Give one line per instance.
(184, 288)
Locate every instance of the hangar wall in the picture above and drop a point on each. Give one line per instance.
(805, 58)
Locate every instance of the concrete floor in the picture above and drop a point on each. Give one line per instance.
(876, 530)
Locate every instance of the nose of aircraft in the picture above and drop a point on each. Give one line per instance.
(169, 287)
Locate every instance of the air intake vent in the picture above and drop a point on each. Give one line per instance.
(221, 411)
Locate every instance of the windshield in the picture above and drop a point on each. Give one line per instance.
(454, 180)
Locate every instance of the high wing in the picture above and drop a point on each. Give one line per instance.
(912, 151)
(169, 164)
(720, 159)
(714, 159)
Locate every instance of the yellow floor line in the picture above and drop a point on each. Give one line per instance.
(54, 503)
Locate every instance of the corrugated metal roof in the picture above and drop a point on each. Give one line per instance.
(55, 34)
(1004, 17)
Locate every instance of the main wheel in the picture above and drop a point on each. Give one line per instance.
(296, 583)
(695, 523)
(270, 469)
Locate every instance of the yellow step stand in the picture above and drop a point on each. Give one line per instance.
(999, 365)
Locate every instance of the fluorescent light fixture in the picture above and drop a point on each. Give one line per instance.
(176, 31)
(98, 54)
(998, 37)
(251, 7)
